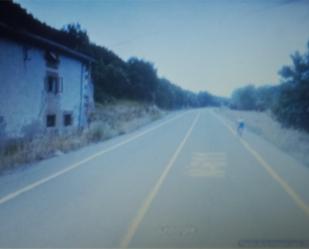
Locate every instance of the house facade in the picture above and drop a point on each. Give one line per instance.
(44, 86)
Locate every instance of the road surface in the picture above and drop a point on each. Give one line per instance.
(185, 181)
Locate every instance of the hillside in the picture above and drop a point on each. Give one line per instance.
(113, 78)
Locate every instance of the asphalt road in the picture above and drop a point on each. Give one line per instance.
(185, 181)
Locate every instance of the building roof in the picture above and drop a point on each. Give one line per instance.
(17, 24)
(33, 39)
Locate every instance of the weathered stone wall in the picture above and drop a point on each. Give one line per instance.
(22, 72)
(24, 101)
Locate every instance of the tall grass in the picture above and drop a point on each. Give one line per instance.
(291, 141)
(108, 121)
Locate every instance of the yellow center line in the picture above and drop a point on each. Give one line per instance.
(286, 187)
(71, 167)
(147, 202)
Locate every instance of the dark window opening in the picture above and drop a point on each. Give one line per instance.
(52, 59)
(50, 84)
(67, 119)
(51, 120)
(26, 53)
(53, 84)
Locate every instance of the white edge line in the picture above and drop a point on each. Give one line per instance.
(150, 197)
(36, 184)
(269, 169)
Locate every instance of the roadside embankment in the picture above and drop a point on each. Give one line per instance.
(291, 141)
(109, 120)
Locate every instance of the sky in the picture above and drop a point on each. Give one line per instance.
(200, 45)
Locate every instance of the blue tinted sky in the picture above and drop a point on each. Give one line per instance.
(199, 45)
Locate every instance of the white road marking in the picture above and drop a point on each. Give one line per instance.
(207, 165)
(78, 164)
(146, 204)
(286, 187)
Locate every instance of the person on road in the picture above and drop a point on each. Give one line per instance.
(240, 126)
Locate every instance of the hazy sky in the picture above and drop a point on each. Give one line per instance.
(199, 45)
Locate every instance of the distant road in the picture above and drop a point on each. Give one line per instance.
(185, 181)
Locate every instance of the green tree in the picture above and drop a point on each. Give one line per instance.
(244, 98)
(144, 80)
(292, 105)
(78, 38)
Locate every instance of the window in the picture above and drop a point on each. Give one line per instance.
(26, 53)
(67, 119)
(53, 84)
(52, 59)
(51, 120)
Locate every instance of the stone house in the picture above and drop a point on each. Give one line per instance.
(44, 85)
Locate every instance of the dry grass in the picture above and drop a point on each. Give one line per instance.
(291, 141)
(109, 121)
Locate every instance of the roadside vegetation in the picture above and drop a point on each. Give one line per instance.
(288, 101)
(279, 113)
(294, 142)
(129, 94)
(134, 79)
(109, 120)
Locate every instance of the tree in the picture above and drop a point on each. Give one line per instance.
(266, 96)
(206, 99)
(112, 77)
(77, 37)
(143, 77)
(244, 98)
(292, 105)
